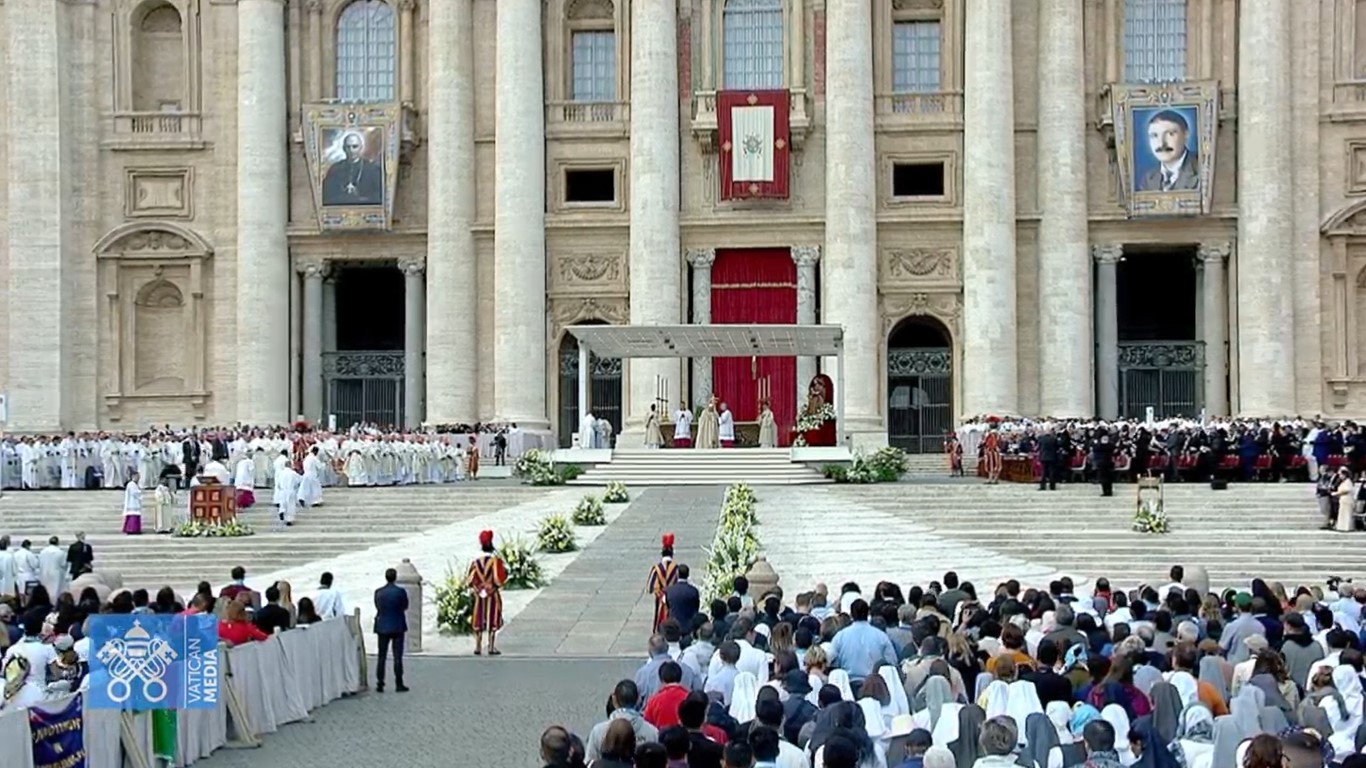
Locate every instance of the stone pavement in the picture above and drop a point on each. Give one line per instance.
(461, 712)
(597, 606)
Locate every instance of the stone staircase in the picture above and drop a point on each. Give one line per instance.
(991, 532)
(927, 465)
(755, 466)
(350, 520)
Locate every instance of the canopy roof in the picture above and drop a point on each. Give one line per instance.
(711, 340)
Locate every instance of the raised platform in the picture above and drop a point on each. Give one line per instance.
(685, 466)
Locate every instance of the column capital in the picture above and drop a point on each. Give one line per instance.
(1107, 253)
(314, 7)
(806, 255)
(314, 269)
(412, 267)
(407, 6)
(1208, 252)
(701, 258)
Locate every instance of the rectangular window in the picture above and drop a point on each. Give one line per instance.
(917, 180)
(915, 57)
(594, 186)
(1154, 41)
(593, 66)
(752, 46)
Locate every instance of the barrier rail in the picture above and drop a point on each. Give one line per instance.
(263, 686)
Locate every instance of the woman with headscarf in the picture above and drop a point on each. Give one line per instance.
(995, 699)
(937, 696)
(1215, 673)
(1348, 715)
(1118, 719)
(840, 679)
(1228, 734)
(1271, 678)
(843, 719)
(1149, 747)
(1167, 706)
(1041, 741)
(743, 696)
(875, 727)
(1082, 714)
(1247, 710)
(1194, 744)
(901, 704)
(1187, 687)
(874, 688)
(966, 742)
(1021, 703)
(1069, 751)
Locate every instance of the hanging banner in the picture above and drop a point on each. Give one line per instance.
(754, 134)
(58, 740)
(149, 662)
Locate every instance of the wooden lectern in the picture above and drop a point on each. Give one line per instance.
(212, 503)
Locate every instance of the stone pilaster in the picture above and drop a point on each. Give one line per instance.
(313, 341)
(850, 270)
(414, 337)
(1107, 330)
(452, 305)
(1214, 311)
(519, 349)
(701, 261)
(1066, 380)
(989, 332)
(806, 257)
(262, 259)
(316, 31)
(1265, 270)
(655, 271)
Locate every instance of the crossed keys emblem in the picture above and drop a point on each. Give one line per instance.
(136, 657)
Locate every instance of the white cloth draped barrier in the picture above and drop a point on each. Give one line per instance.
(277, 682)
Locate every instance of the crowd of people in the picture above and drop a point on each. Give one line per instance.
(937, 676)
(365, 455)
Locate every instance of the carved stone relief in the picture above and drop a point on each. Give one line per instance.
(913, 265)
(583, 10)
(159, 193)
(945, 307)
(1356, 167)
(575, 269)
(573, 311)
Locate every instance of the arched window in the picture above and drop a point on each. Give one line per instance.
(1154, 41)
(752, 44)
(158, 59)
(367, 52)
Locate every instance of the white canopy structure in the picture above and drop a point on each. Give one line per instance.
(688, 341)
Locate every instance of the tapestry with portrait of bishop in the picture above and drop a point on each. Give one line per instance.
(352, 152)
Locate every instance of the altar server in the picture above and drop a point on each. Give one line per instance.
(286, 492)
(683, 427)
(310, 485)
(726, 424)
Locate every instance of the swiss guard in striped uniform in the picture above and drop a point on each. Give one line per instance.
(662, 576)
(991, 456)
(487, 575)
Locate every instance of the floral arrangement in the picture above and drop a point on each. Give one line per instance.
(1151, 518)
(589, 512)
(455, 603)
(524, 570)
(885, 465)
(535, 467)
(809, 421)
(736, 545)
(191, 529)
(555, 534)
(616, 493)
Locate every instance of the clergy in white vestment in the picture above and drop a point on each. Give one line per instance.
(163, 500)
(245, 483)
(217, 471)
(357, 471)
(588, 431)
(9, 577)
(70, 478)
(287, 493)
(265, 474)
(132, 507)
(708, 427)
(768, 427)
(52, 568)
(111, 460)
(653, 437)
(310, 485)
(683, 427)
(726, 424)
(29, 455)
(26, 567)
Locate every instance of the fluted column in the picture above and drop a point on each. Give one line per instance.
(414, 337)
(1214, 311)
(1265, 267)
(519, 351)
(701, 261)
(1107, 330)
(655, 273)
(452, 303)
(313, 341)
(262, 259)
(806, 257)
(989, 333)
(1066, 380)
(850, 286)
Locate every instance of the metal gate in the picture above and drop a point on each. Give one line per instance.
(364, 387)
(1167, 376)
(604, 391)
(919, 398)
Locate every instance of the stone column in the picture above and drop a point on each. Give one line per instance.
(701, 261)
(452, 305)
(1214, 311)
(313, 341)
(850, 284)
(655, 269)
(414, 337)
(806, 258)
(315, 52)
(989, 333)
(519, 350)
(708, 57)
(1265, 288)
(1066, 378)
(1107, 330)
(262, 258)
(329, 314)
(407, 69)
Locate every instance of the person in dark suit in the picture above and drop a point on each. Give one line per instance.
(1050, 685)
(682, 599)
(80, 557)
(391, 625)
(1048, 458)
(272, 615)
(220, 447)
(189, 452)
(1103, 456)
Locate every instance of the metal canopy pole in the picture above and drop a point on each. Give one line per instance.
(839, 394)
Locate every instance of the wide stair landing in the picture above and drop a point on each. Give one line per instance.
(755, 466)
(351, 519)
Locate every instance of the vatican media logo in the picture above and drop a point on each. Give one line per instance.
(154, 662)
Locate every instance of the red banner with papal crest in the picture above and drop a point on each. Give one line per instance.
(755, 144)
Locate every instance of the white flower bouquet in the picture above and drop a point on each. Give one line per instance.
(589, 511)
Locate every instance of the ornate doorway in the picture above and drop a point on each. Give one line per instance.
(604, 389)
(919, 385)
(363, 378)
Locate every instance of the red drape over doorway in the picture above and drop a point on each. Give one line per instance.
(756, 286)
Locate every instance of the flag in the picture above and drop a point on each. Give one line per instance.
(165, 734)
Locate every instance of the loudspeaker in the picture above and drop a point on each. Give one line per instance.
(1218, 485)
